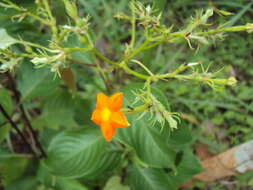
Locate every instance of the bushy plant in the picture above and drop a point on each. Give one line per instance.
(61, 66)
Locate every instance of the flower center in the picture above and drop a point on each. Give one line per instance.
(106, 113)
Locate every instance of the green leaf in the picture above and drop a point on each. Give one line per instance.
(78, 55)
(6, 102)
(58, 111)
(4, 131)
(114, 184)
(159, 5)
(46, 136)
(45, 177)
(187, 168)
(55, 182)
(5, 39)
(245, 178)
(149, 179)
(237, 16)
(108, 163)
(149, 145)
(76, 154)
(27, 183)
(67, 184)
(12, 167)
(34, 83)
(180, 137)
(56, 119)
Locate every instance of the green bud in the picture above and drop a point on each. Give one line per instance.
(224, 13)
(200, 39)
(9, 65)
(71, 9)
(204, 18)
(28, 49)
(249, 27)
(39, 60)
(232, 81)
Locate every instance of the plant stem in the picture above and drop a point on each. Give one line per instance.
(103, 77)
(43, 21)
(133, 22)
(28, 123)
(21, 9)
(144, 67)
(136, 51)
(132, 72)
(70, 50)
(52, 19)
(137, 109)
(226, 29)
(103, 58)
(13, 124)
(46, 4)
(180, 69)
(123, 65)
(35, 45)
(25, 118)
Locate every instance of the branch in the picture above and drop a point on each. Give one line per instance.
(13, 124)
(25, 118)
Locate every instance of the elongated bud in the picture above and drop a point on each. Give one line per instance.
(249, 27)
(232, 81)
(204, 18)
(71, 9)
(40, 60)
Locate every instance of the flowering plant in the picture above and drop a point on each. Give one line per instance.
(61, 74)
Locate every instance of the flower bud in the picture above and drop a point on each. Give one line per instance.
(71, 9)
(232, 81)
(39, 60)
(249, 27)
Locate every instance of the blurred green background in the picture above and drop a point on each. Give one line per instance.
(220, 119)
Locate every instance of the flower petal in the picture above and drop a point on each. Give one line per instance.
(96, 116)
(107, 130)
(115, 101)
(102, 101)
(118, 120)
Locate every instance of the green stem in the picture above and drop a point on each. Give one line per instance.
(123, 65)
(144, 67)
(50, 15)
(43, 21)
(132, 72)
(16, 155)
(35, 45)
(138, 109)
(136, 51)
(227, 29)
(180, 69)
(70, 50)
(21, 9)
(133, 22)
(52, 20)
(102, 57)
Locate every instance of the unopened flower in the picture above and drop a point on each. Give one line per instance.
(107, 114)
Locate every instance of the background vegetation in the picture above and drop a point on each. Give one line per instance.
(219, 118)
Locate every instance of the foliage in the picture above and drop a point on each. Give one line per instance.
(54, 62)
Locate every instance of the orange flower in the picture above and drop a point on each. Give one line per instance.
(107, 114)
